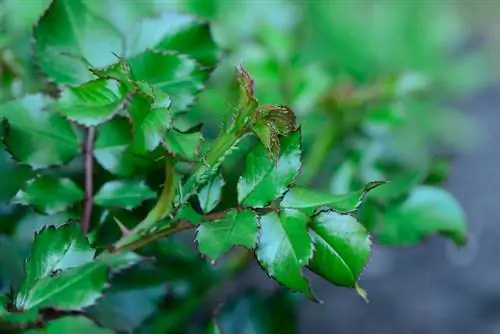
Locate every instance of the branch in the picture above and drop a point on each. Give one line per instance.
(177, 227)
(87, 202)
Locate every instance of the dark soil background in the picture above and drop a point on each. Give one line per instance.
(434, 287)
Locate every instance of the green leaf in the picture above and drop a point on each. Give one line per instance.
(15, 317)
(151, 121)
(263, 179)
(175, 32)
(70, 324)
(308, 199)
(427, 210)
(185, 145)
(175, 74)
(62, 272)
(111, 149)
(128, 194)
(285, 247)
(49, 194)
(74, 288)
(210, 195)
(342, 248)
(35, 136)
(54, 250)
(69, 39)
(91, 103)
(235, 228)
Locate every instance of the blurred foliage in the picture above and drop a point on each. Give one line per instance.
(370, 83)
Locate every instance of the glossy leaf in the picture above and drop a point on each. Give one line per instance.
(91, 103)
(54, 250)
(128, 194)
(111, 149)
(210, 195)
(175, 32)
(62, 272)
(263, 179)
(49, 194)
(427, 210)
(70, 324)
(15, 317)
(183, 145)
(341, 248)
(151, 121)
(285, 247)
(235, 228)
(308, 199)
(35, 136)
(177, 75)
(74, 288)
(69, 39)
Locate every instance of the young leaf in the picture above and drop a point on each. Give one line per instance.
(69, 39)
(308, 199)
(263, 179)
(91, 103)
(210, 195)
(70, 324)
(128, 194)
(37, 137)
(177, 75)
(427, 210)
(150, 119)
(341, 248)
(175, 32)
(235, 228)
(183, 145)
(111, 149)
(285, 247)
(49, 194)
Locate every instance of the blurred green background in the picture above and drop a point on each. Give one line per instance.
(385, 90)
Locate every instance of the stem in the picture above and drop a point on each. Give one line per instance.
(87, 202)
(325, 140)
(165, 205)
(160, 210)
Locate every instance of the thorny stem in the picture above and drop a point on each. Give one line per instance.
(160, 210)
(89, 167)
(165, 204)
(177, 227)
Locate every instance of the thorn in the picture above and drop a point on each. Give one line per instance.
(125, 231)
